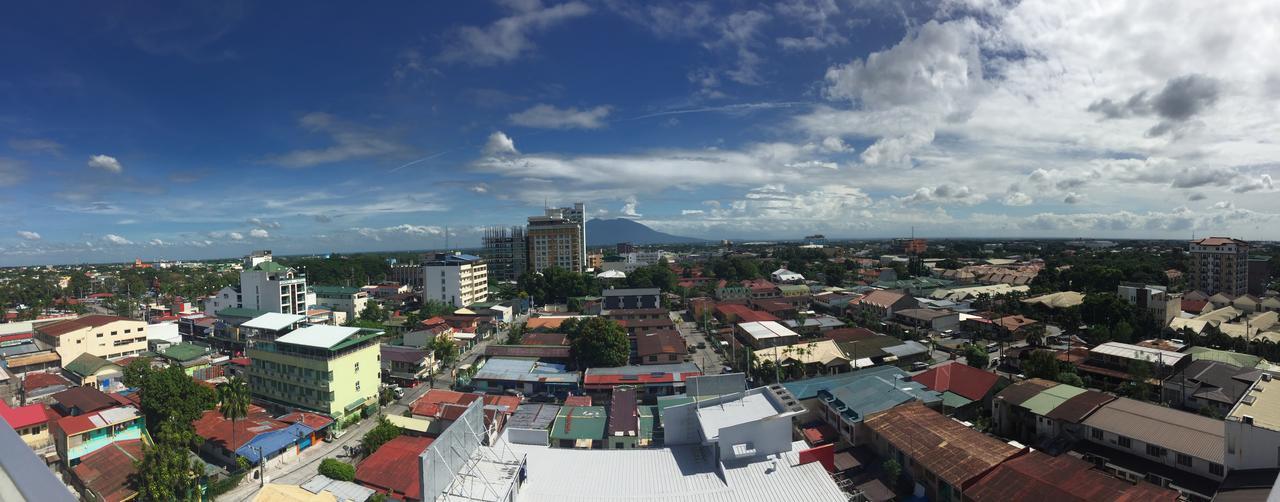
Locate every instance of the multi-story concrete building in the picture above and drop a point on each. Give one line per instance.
(409, 274)
(457, 279)
(105, 336)
(558, 239)
(1219, 265)
(267, 285)
(80, 435)
(506, 252)
(328, 369)
(349, 300)
(1162, 305)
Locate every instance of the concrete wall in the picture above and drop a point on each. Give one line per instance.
(1198, 466)
(1251, 447)
(765, 437)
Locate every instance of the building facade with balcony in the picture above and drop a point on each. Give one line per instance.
(267, 285)
(456, 279)
(1219, 265)
(333, 370)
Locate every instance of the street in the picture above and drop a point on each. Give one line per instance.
(706, 358)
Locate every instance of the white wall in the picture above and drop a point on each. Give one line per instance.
(165, 331)
(1199, 466)
(1251, 447)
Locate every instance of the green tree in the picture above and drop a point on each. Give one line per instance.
(233, 403)
(977, 357)
(515, 333)
(1139, 373)
(444, 350)
(1069, 378)
(379, 435)
(434, 308)
(169, 395)
(373, 311)
(1041, 364)
(597, 342)
(337, 469)
(166, 472)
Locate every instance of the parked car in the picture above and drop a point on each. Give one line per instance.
(919, 366)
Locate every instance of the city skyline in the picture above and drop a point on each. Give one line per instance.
(198, 131)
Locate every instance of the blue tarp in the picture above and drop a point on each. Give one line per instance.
(271, 443)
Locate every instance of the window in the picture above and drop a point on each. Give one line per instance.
(1184, 460)
(1124, 441)
(1215, 469)
(357, 366)
(113, 333)
(100, 335)
(1156, 451)
(357, 386)
(1097, 434)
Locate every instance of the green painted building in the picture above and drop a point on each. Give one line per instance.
(328, 369)
(190, 357)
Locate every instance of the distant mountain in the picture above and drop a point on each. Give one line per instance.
(606, 232)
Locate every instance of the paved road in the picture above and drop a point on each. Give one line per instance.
(707, 359)
(308, 461)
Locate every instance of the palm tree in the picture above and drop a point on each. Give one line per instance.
(233, 402)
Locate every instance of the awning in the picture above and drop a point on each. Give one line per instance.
(845, 461)
(953, 400)
(863, 362)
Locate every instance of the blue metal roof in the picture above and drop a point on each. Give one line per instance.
(809, 388)
(272, 442)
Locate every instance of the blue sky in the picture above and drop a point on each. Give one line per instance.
(195, 129)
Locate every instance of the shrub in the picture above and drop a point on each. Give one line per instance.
(337, 469)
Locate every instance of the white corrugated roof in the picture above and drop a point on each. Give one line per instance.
(273, 321)
(318, 335)
(762, 330)
(674, 474)
(1128, 351)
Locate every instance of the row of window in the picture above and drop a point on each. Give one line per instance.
(1158, 452)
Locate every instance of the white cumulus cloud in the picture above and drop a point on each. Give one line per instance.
(106, 163)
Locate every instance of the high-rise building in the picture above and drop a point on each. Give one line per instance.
(557, 238)
(1219, 265)
(455, 278)
(505, 252)
(333, 370)
(270, 286)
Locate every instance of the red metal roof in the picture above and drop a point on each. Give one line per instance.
(393, 469)
(1037, 476)
(34, 381)
(440, 403)
(962, 379)
(313, 420)
(17, 336)
(90, 321)
(819, 434)
(544, 339)
(743, 313)
(658, 343)
(107, 471)
(23, 416)
(217, 430)
(577, 401)
(644, 378)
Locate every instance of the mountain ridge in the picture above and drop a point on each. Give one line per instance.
(602, 232)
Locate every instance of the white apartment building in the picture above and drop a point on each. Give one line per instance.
(226, 298)
(352, 301)
(457, 279)
(1157, 300)
(267, 285)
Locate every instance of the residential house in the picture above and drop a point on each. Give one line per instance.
(579, 427)
(31, 422)
(526, 375)
(940, 453)
(351, 301)
(730, 313)
(844, 401)
(649, 380)
(964, 389)
(1040, 411)
(79, 435)
(1212, 385)
(1175, 449)
(1036, 476)
(1157, 301)
(662, 347)
(443, 407)
(407, 365)
(81, 400)
(881, 304)
(624, 426)
(392, 470)
(785, 276)
(191, 358)
(819, 357)
(93, 371)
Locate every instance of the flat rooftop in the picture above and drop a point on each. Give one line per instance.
(678, 474)
(749, 407)
(319, 335)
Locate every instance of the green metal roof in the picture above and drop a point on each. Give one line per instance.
(647, 416)
(1048, 399)
(241, 312)
(88, 364)
(183, 352)
(334, 290)
(361, 336)
(1224, 356)
(579, 422)
(953, 400)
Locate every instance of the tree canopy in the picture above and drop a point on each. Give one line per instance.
(168, 395)
(597, 342)
(379, 435)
